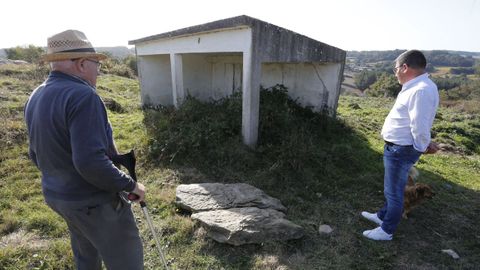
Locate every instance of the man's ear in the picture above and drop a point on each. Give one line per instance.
(80, 65)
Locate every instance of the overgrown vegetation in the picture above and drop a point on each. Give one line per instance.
(324, 170)
(457, 75)
(386, 86)
(436, 57)
(28, 53)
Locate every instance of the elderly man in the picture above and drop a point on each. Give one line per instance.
(70, 141)
(406, 132)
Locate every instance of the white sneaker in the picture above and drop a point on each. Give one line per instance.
(372, 217)
(378, 234)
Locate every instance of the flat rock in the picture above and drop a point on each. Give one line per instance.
(326, 229)
(452, 253)
(247, 225)
(214, 196)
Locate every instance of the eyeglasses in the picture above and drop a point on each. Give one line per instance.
(396, 68)
(99, 65)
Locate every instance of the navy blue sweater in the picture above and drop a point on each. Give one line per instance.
(70, 138)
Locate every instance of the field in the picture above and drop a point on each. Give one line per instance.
(325, 171)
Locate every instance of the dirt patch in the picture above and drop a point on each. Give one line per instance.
(22, 238)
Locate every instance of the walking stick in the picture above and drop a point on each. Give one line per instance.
(128, 161)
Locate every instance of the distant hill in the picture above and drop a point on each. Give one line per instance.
(115, 52)
(436, 57)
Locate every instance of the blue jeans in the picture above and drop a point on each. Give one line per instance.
(397, 161)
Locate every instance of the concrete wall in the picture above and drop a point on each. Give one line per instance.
(211, 65)
(215, 76)
(227, 40)
(155, 79)
(311, 84)
(212, 76)
(226, 75)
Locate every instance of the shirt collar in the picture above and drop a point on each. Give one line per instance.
(415, 80)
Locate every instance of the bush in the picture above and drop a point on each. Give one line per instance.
(131, 62)
(386, 86)
(364, 79)
(466, 71)
(294, 142)
(30, 54)
(195, 130)
(117, 67)
(25, 72)
(449, 82)
(470, 90)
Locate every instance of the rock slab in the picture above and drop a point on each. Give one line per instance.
(237, 214)
(211, 196)
(238, 226)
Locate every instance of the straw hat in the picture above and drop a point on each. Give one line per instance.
(70, 44)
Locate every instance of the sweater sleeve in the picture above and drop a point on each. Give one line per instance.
(87, 121)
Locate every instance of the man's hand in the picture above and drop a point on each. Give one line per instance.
(432, 148)
(139, 191)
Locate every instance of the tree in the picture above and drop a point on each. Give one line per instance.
(131, 61)
(30, 54)
(386, 86)
(364, 79)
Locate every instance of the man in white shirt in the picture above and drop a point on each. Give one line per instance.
(406, 132)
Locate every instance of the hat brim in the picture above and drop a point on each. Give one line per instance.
(72, 55)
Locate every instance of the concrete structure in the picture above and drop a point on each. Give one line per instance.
(214, 60)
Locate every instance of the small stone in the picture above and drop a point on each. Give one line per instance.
(451, 253)
(448, 186)
(325, 229)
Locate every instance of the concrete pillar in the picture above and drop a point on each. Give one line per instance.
(178, 93)
(250, 98)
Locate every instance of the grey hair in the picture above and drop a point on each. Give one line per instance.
(61, 65)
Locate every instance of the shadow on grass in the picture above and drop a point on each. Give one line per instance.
(324, 172)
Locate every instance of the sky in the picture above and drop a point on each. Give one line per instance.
(347, 24)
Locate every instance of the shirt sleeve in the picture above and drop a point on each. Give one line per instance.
(89, 141)
(420, 110)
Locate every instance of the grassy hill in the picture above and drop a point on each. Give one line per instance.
(325, 171)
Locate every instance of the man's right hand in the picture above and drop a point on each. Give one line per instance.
(139, 190)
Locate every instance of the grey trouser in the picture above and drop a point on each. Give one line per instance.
(102, 232)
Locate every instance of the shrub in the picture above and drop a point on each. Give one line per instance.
(30, 54)
(117, 67)
(294, 142)
(386, 86)
(131, 62)
(25, 72)
(364, 79)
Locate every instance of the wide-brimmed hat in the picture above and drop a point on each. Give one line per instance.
(70, 44)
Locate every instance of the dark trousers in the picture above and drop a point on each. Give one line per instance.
(105, 232)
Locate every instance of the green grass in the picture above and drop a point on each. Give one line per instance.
(324, 171)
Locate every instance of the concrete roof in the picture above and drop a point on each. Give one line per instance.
(282, 44)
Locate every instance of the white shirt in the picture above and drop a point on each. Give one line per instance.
(411, 118)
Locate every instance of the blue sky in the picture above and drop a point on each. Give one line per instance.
(347, 24)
